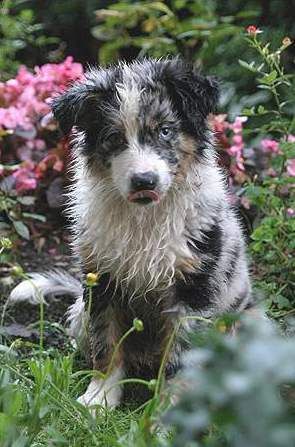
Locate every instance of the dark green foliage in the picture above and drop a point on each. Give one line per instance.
(206, 32)
(19, 35)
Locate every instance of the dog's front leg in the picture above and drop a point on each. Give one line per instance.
(103, 336)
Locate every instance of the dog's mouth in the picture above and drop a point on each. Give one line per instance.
(144, 197)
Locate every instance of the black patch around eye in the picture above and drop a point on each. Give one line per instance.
(110, 145)
(115, 139)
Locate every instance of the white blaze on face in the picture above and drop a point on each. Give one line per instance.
(129, 98)
(137, 160)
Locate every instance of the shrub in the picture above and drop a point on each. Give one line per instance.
(207, 33)
(19, 32)
(270, 189)
(232, 389)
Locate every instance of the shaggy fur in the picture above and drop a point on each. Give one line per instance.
(150, 213)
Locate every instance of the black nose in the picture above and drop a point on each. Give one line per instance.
(145, 180)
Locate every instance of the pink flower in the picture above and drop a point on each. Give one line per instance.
(14, 117)
(234, 150)
(237, 125)
(25, 178)
(270, 146)
(24, 99)
(252, 30)
(291, 138)
(238, 139)
(271, 172)
(24, 183)
(291, 167)
(290, 212)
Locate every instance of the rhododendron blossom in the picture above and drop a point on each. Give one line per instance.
(233, 144)
(25, 106)
(25, 177)
(270, 146)
(23, 99)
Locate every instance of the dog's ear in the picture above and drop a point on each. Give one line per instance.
(194, 95)
(81, 105)
(72, 107)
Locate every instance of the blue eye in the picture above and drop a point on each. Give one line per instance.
(165, 132)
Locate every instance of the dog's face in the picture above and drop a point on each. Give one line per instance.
(142, 124)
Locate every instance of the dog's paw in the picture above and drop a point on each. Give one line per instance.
(103, 393)
(99, 397)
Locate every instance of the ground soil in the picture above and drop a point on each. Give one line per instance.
(22, 320)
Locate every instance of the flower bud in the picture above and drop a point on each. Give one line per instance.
(91, 279)
(17, 271)
(138, 325)
(252, 30)
(5, 242)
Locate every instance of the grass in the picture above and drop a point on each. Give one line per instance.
(39, 386)
(38, 406)
(38, 400)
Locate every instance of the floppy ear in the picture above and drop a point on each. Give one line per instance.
(194, 95)
(81, 105)
(72, 107)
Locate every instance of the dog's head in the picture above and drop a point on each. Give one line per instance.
(142, 124)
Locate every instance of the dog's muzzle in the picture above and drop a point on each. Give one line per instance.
(143, 188)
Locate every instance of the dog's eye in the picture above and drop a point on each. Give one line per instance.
(165, 132)
(116, 139)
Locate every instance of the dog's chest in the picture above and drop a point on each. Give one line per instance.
(141, 250)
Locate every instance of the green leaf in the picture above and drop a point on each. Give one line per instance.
(159, 6)
(261, 110)
(269, 78)
(35, 216)
(21, 229)
(26, 200)
(249, 112)
(288, 148)
(250, 67)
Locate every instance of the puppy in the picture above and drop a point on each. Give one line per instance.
(150, 213)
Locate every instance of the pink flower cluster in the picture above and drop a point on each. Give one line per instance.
(25, 99)
(24, 103)
(237, 143)
(271, 147)
(230, 138)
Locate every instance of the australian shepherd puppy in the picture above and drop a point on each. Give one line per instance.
(150, 213)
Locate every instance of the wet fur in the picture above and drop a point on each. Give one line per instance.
(184, 256)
